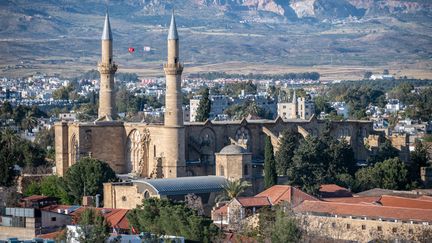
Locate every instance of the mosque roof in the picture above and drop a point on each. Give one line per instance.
(233, 149)
(185, 185)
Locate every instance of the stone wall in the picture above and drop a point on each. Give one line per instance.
(364, 230)
(21, 233)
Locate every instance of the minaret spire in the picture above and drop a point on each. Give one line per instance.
(107, 68)
(172, 33)
(106, 34)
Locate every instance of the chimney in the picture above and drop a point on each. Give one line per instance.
(87, 201)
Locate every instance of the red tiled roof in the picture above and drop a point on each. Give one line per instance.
(365, 210)
(253, 201)
(279, 193)
(394, 201)
(353, 199)
(52, 235)
(35, 198)
(115, 217)
(222, 210)
(333, 190)
(426, 198)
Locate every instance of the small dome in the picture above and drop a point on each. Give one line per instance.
(233, 149)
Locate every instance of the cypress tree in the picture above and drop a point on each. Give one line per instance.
(270, 175)
(203, 111)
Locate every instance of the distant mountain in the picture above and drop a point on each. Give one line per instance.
(283, 32)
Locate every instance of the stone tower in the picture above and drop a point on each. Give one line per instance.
(294, 106)
(174, 165)
(107, 69)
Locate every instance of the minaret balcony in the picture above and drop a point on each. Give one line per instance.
(106, 68)
(173, 68)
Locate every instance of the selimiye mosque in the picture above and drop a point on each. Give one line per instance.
(176, 148)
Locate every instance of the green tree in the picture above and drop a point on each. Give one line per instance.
(278, 224)
(204, 107)
(419, 158)
(287, 145)
(233, 188)
(385, 151)
(310, 161)
(390, 174)
(270, 174)
(8, 156)
(163, 217)
(86, 177)
(63, 93)
(29, 122)
(93, 227)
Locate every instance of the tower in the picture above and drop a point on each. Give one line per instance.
(174, 164)
(107, 69)
(294, 106)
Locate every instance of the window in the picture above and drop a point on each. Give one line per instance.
(410, 231)
(348, 226)
(363, 227)
(246, 170)
(124, 199)
(394, 230)
(53, 219)
(333, 225)
(146, 194)
(154, 150)
(379, 228)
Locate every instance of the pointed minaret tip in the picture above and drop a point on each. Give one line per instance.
(172, 33)
(106, 34)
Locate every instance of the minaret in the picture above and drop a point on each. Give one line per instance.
(173, 70)
(174, 132)
(107, 69)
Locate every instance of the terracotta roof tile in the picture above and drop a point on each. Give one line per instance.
(115, 217)
(333, 190)
(365, 210)
(279, 193)
(253, 201)
(35, 198)
(394, 201)
(353, 199)
(52, 235)
(222, 210)
(426, 198)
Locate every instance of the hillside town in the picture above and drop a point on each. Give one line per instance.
(214, 157)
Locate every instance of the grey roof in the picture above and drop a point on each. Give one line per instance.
(172, 32)
(106, 34)
(233, 149)
(185, 185)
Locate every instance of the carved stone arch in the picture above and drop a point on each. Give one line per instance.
(207, 139)
(74, 150)
(243, 135)
(133, 151)
(137, 151)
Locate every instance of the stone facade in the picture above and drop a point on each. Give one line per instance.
(364, 230)
(177, 149)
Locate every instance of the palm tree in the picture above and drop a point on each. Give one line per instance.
(233, 189)
(8, 138)
(29, 122)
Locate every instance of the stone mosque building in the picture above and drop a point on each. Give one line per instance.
(233, 149)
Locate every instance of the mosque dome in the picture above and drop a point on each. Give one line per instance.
(233, 149)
